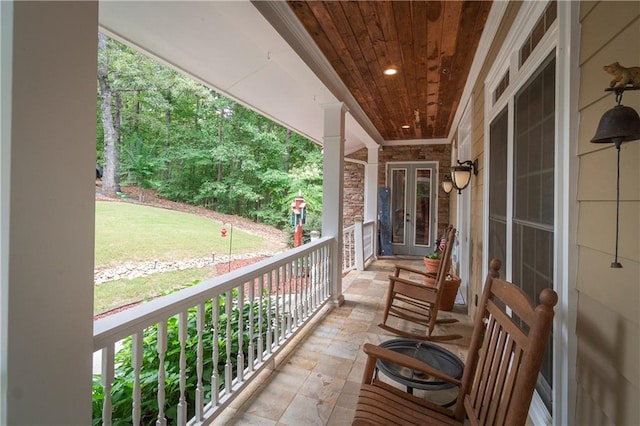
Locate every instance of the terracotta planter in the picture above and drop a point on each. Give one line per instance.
(432, 265)
(428, 281)
(449, 293)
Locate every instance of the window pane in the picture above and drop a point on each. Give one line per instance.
(399, 190)
(534, 159)
(423, 197)
(498, 187)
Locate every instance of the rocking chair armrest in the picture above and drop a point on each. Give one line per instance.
(406, 361)
(412, 283)
(410, 269)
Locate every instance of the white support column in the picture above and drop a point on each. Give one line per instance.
(359, 242)
(333, 190)
(371, 185)
(47, 160)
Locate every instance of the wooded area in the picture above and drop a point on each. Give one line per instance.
(160, 129)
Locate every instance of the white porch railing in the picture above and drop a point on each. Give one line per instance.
(358, 245)
(197, 348)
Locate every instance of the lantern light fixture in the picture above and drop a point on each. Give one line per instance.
(447, 184)
(461, 174)
(617, 125)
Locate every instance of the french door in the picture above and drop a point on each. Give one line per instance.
(413, 207)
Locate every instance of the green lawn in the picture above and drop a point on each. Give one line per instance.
(128, 232)
(132, 232)
(113, 294)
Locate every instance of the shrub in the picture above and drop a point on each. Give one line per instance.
(122, 388)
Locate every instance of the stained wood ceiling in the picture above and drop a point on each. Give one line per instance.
(430, 43)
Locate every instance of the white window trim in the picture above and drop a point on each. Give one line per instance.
(563, 36)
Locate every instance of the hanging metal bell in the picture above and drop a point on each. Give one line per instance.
(619, 124)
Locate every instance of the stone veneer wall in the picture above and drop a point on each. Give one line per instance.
(354, 176)
(353, 192)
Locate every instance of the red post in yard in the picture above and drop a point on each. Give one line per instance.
(298, 217)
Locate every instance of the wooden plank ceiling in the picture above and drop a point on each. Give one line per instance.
(430, 43)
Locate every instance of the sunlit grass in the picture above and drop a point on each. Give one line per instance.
(132, 232)
(113, 294)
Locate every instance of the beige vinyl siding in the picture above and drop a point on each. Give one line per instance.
(608, 340)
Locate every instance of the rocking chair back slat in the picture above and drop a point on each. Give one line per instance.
(504, 359)
(416, 302)
(508, 352)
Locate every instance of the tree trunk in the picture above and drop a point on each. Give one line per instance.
(110, 172)
(287, 154)
(167, 119)
(136, 109)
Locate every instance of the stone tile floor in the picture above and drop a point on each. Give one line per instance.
(316, 381)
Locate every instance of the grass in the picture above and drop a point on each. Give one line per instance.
(113, 294)
(132, 232)
(128, 232)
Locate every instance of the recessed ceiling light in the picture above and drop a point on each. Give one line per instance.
(406, 126)
(390, 71)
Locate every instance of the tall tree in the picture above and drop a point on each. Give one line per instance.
(168, 132)
(110, 125)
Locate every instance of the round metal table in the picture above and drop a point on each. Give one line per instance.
(434, 355)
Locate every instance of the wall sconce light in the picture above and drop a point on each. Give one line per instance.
(461, 174)
(447, 184)
(617, 125)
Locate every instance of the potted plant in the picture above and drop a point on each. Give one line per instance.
(432, 261)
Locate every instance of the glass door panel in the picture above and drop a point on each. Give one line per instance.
(422, 234)
(398, 207)
(413, 207)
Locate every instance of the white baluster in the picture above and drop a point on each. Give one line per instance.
(271, 323)
(199, 364)
(279, 319)
(215, 376)
(252, 304)
(291, 306)
(325, 282)
(261, 318)
(305, 286)
(107, 381)
(228, 368)
(313, 278)
(137, 348)
(240, 359)
(324, 274)
(285, 310)
(162, 350)
(297, 300)
(182, 338)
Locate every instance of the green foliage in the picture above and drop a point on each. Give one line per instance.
(122, 388)
(435, 255)
(202, 148)
(195, 146)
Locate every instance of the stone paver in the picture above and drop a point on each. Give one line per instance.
(318, 382)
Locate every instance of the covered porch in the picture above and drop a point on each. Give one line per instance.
(316, 380)
(47, 159)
